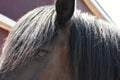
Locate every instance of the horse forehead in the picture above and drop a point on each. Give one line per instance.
(64, 33)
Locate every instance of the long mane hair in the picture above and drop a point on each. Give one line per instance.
(95, 44)
(29, 35)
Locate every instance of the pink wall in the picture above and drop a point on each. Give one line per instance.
(17, 8)
(81, 5)
(3, 35)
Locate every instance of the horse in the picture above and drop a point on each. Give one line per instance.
(59, 42)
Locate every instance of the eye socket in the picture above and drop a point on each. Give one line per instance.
(41, 53)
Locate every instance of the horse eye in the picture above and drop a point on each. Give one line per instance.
(42, 53)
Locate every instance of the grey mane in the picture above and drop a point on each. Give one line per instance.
(29, 35)
(95, 46)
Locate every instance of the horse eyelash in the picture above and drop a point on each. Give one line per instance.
(46, 51)
(42, 53)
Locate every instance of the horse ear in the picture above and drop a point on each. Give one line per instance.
(64, 10)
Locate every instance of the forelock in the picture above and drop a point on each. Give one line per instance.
(30, 33)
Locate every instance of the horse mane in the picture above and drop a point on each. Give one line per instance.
(29, 35)
(95, 46)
